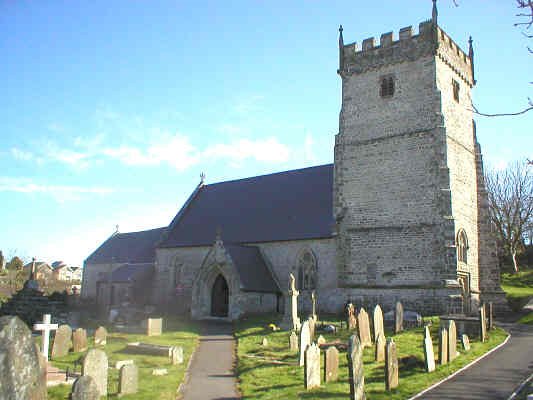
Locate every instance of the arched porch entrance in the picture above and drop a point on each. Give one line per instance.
(220, 297)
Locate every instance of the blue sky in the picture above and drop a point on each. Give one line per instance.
(111, 110)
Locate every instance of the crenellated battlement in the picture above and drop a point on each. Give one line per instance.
(430, 40)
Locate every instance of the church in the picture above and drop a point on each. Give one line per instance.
(401, 214)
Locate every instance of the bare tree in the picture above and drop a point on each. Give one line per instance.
(510, 194)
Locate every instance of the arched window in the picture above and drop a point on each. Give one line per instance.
(307, 270)
(462, 247)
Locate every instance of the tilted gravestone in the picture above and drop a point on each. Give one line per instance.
(443, 345)
(351, 319)
(331, 364)
(100, 336)
(398, 317)
(128, 379)
(305, 340)
(62, 341)
(452, 341)
(293, 342)
(312, 367)
(176, 355)
(429, 355)
(391, 365)
(379, 354)
(378, 321)
(85, 388)
(79, 340)
(482, 324)
(95, 365)
(465, 341)
(154, 326)
(355, 368)
(22, 371)
(363, 327)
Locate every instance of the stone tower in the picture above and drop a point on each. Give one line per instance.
(408, 189)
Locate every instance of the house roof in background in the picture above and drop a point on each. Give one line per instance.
(290, 205)
(131, 247)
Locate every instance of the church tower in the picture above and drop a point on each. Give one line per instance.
(408, 194)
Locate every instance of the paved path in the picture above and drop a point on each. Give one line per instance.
(211, 375)
(497, 375)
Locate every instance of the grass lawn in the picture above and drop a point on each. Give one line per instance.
(527, 319)
(261, 379)
(518, 288)
(178, 332)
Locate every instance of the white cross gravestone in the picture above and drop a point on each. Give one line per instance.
(45, 327)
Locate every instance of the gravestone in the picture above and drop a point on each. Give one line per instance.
(491, 316)
(482, 324)
(391, 365)
(313, 306)
(45, 327)
(429, 355)
(452, 341)
(331, 364)
(22, 375)
(363, 327)
(154, 326)
(465, 342)
(128, 379)
(84, 388)
(355, 368)
(398, 317)
(351, 320)
(379, 354)
(79, 340)
(121, 363)
(305, 340)
(62, 341)
(100, 336)
(311, 321)
(290, 317)
(159, 371)
(176, 355)
(321, 340)
(443, 345)
(378, 321)
(264, 342)
(293, 341)
(312, 367)
(95, 365)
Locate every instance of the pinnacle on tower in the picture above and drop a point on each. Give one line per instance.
(434, 13)
(341, 49)
(471, 56)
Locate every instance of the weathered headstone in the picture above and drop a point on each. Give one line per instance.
(312, 367)
(313, 306)
(293, 341)
(84, 388)
(429, 355)
(311, 321)
(482, 324)
(159, 371)
(363, 327)
(154, 326)
(491, 316)
(22, 376)
(465, 341)
(398, 317)
(351, 319)
(79, 340)
(331, 364)
(46, 327)
(290, 317)
(305, 340)
(443, 345)
(264, 342)
(95, 365)
(379, 354)
(62, 341)
(176, 355)
(321, 340)
(100, 336)
(128, 379)
(355, 368)
(452, 341)
(391, 365)
(121, 363)
(378, 321)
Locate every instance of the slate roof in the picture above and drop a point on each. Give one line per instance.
(290, 205)
(253, 272)
(129, 272)
(131, 247)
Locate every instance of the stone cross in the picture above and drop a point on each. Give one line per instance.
(355, 369)
(45, 327)
(290, 319)
(429, 356)
(391, 365)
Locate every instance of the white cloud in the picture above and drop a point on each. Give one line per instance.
(264, 150)
(21, 154)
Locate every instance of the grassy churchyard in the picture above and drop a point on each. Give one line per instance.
(519, 290)
(271, 372)
(176, 333)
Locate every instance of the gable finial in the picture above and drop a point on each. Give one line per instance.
(116, 228)
(341, 49)
(434, 13)
(471, 56)
(218, 233)
(202, 178)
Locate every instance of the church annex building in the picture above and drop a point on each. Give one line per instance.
(401, 214)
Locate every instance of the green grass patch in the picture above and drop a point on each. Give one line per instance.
(178, 333)
(518, 288)
(526, 319)
(259, 378)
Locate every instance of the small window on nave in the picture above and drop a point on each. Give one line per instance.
(462, 247)
(307, 270)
